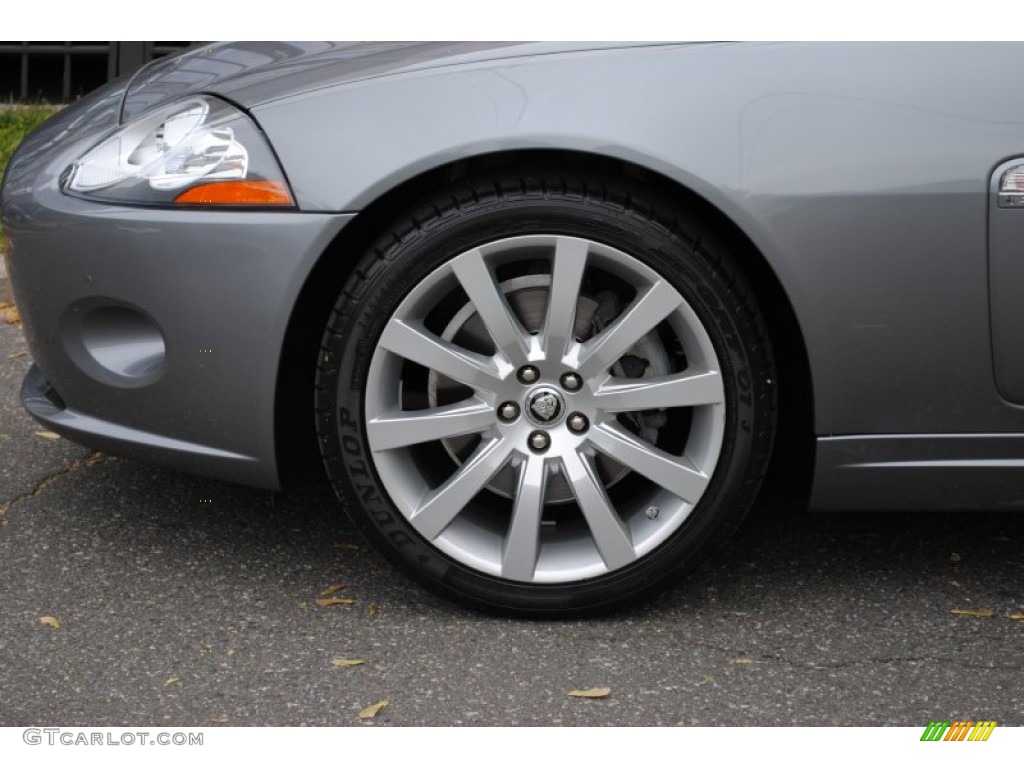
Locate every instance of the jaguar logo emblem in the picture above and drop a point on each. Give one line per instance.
(545, 405)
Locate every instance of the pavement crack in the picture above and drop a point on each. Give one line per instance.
(910, 660)
(774, 658)
(72, 466)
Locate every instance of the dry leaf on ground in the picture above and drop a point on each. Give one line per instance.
(330, 589)
(16, 355)
(9, 313)
(1017, 616)
(340, 662)
(742, 661)
(323, 602)
(372, 710)
(982, 613)
(219, 720)
(48, 435)
(50, 621)
(171, 681)
(591, 693)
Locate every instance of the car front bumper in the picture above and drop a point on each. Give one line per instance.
(158, 333)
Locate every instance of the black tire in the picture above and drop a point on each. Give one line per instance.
(630, 218)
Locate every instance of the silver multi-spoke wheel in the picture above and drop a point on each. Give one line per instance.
(546, 392)
(544, 408)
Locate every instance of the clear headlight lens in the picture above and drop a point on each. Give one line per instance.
(200, 151)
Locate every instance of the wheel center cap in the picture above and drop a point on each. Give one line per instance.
(544, 406)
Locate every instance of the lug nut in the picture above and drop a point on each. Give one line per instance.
(528, 374)
(508, 411)
(577, 423)
(571, 382)
(539, 441)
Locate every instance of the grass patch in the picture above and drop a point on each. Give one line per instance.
(15, 124)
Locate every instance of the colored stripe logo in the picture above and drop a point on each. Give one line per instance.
(959, 730)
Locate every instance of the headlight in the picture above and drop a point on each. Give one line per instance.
(199, 151)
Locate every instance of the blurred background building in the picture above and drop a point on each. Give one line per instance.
(57, 73)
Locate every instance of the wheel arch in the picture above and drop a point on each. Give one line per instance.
(296, 445)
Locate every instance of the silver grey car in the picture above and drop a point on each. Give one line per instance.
(549, 315)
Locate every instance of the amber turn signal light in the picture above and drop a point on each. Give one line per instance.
(237, 193)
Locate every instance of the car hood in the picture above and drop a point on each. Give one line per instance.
(253, 73)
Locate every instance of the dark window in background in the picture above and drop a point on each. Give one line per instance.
(59, 72)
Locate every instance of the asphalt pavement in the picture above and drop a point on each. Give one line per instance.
(188, 602)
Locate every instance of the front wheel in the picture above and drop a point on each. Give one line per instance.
(546, 398)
